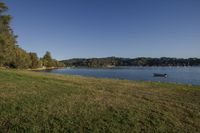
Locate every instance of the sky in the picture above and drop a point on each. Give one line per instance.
(102, 28)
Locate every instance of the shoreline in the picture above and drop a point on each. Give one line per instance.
(40, 69)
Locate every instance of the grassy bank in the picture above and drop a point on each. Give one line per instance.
(41, 102)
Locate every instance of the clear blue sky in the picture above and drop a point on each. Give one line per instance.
(101, 28)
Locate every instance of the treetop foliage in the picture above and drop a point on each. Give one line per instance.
(3, 7)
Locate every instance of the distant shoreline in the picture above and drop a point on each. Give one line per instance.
(119, 66)
(142, 61)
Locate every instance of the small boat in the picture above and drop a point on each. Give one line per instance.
(160, 75)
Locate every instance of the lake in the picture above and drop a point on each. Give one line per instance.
(186, 75)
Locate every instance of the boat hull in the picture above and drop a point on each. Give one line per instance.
(160, 75)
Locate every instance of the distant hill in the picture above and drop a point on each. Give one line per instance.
(142, 61)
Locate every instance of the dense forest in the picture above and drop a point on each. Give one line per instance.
(114, 61)
(11, 55)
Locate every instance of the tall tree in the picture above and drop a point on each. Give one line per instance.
(7, 39)
(13, 56)
(10, 54)
(47, 60)
(34, 60)
(21, 59)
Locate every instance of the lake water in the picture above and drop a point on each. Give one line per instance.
(187, 75)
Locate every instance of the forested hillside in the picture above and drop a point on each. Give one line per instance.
(11, 55)
(114, 61)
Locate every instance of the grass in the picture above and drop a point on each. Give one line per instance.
(41, 102)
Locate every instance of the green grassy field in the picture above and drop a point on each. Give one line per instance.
(41, 102)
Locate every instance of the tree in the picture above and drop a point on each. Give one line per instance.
(21, 59)
(47, 60)
(3, 7)
(10, 54)
(7, 39)
(34, 60)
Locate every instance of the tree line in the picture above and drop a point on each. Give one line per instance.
(11, 55)
(115, 61)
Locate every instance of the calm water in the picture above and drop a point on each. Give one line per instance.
(188, 75)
